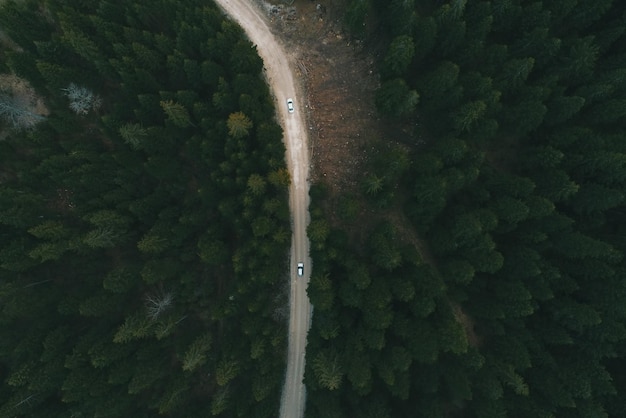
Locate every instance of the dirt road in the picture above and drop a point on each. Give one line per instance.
(279, 71)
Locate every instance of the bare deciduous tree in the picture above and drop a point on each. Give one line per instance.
(157, 303)
(82, 100)
(19, 105)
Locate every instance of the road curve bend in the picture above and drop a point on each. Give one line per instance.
(279, 72)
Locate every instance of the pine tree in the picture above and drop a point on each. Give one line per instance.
(441, 79)
(145, 375)
(401, 16)
(146, 57)
(425, 36)
(395, 98)
(226, 371)
(373, 184)
(195, 355)
(468, 115)
(152, 243)
(595, 198)
(256, 184)
(355, 16)
(133, 134)
(588, 12)
(399, 56)
(49, 230)
(452, 29)
(563, 108)
(212, 250)
(24, 67)
(610, 111)
(220, 401)
(458, 271)
(48, 251)
(359, 373)
(261, 388)
(239, 125)
(525, 116)
(135, 326)
(555, 184)
(328, 370)
(318, 230)
(102, 305)
(581, 60)
(81, 44)
(176, 113)
(514, 73)
(175, 396)
(539, 44)
(23, 25)
(102, 237)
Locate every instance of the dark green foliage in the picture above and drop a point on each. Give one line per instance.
(395, 98)
(139, 244)
(355, 17)
(399, 56)
(493, 262)
(563, 108)
(20, 22)
(426, 32)
(440, 80)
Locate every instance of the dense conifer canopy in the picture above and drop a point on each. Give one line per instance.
(139, 160)
(491, 281)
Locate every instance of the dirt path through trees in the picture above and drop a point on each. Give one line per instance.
(279, 71)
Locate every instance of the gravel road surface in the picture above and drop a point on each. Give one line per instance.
(280, 73)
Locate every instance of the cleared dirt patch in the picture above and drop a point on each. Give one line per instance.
(339, 80)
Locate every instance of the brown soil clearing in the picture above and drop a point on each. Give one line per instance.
(339, 80)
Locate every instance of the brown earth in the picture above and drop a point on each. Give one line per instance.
(339, 80)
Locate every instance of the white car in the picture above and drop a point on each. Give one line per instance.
(290, 107)
(300, 269)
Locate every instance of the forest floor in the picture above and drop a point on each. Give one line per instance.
(339, 80)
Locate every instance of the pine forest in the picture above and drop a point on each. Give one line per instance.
(144, 223)
(490, 280)
(477, 272)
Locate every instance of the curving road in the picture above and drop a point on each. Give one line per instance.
(279, 72)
